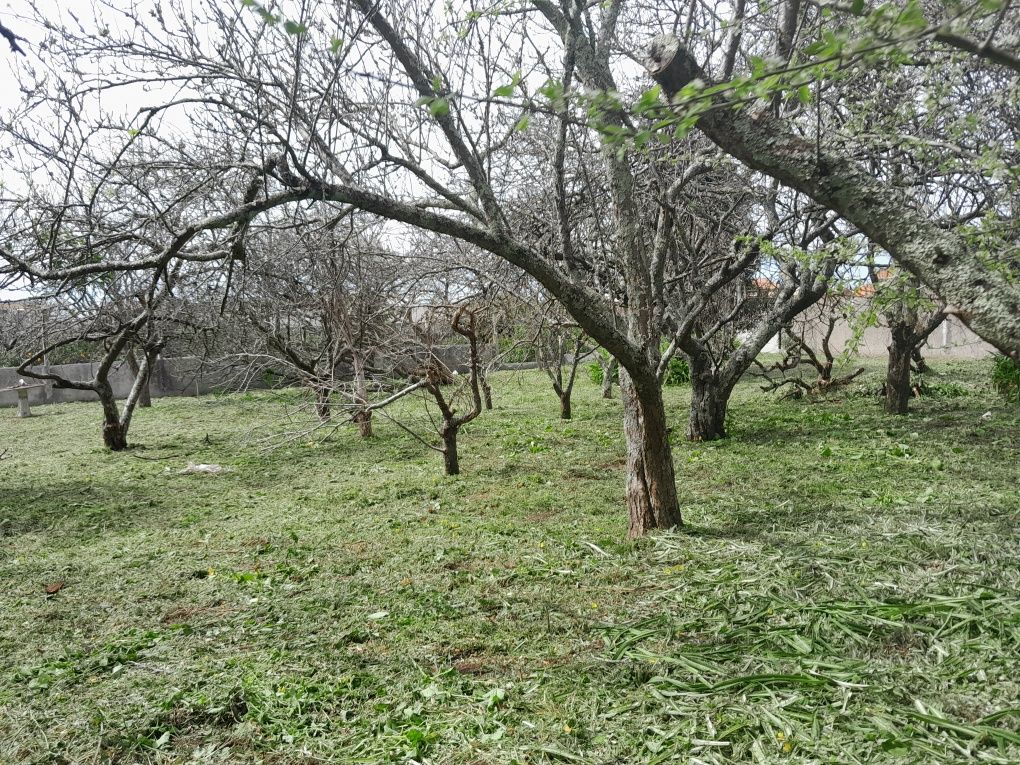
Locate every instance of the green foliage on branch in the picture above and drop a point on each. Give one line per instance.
(1006, 377)
(678, 372)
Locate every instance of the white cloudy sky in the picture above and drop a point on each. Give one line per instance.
(18, 14)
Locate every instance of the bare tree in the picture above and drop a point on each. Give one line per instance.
(463, 324)
(560, 343)
(106, 241)
(324, 297)
(806, 346)
(113, 334)
(726, 238)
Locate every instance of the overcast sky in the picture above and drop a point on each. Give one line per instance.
(13, 13)
(17, 15)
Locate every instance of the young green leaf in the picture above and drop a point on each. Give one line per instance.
(439, 107)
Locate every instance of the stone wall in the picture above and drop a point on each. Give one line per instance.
(185, 376)
(170, 377)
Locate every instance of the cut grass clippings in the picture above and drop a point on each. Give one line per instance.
(846, 588)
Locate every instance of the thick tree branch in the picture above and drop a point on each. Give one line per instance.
(586, 305)
(12, 39)
(986, 299)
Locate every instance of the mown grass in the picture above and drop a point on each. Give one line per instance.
(846, 589)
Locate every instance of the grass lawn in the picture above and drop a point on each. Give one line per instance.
(847, 588)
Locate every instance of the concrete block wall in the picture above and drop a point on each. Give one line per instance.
(187, 376)
(952, 340)
(183, 376)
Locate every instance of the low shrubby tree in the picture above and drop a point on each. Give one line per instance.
(604, 372)
(109, 327)
(325, 299)
(911, 317)
(740, 264)
(463, 323)
(807, 343)
(560, 343)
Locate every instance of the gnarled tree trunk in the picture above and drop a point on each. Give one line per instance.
(908, 328)
(707, 420)
(565, 405)
(918, 361)
(114, 432)
(897, 377)
(651, 483)
(364, 421)
(709, 397)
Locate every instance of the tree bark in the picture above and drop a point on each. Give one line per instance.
(364, 417)
(145, 396)
(651, 483)
(114, 437)
(983, 297)
(115, 424)
(918, 360)
(608, 370)
(564, 404)
(114, 433)
(140, 386)
(322, 406)
(897, 378)
(486, 392)
(707, 420)
(451, 463)
(709, 398)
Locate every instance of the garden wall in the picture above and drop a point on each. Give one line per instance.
(185, 376)
(952, 340)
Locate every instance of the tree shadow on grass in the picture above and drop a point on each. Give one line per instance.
(776, 524)
(949, 420)
(38, 410)
(82, 507)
